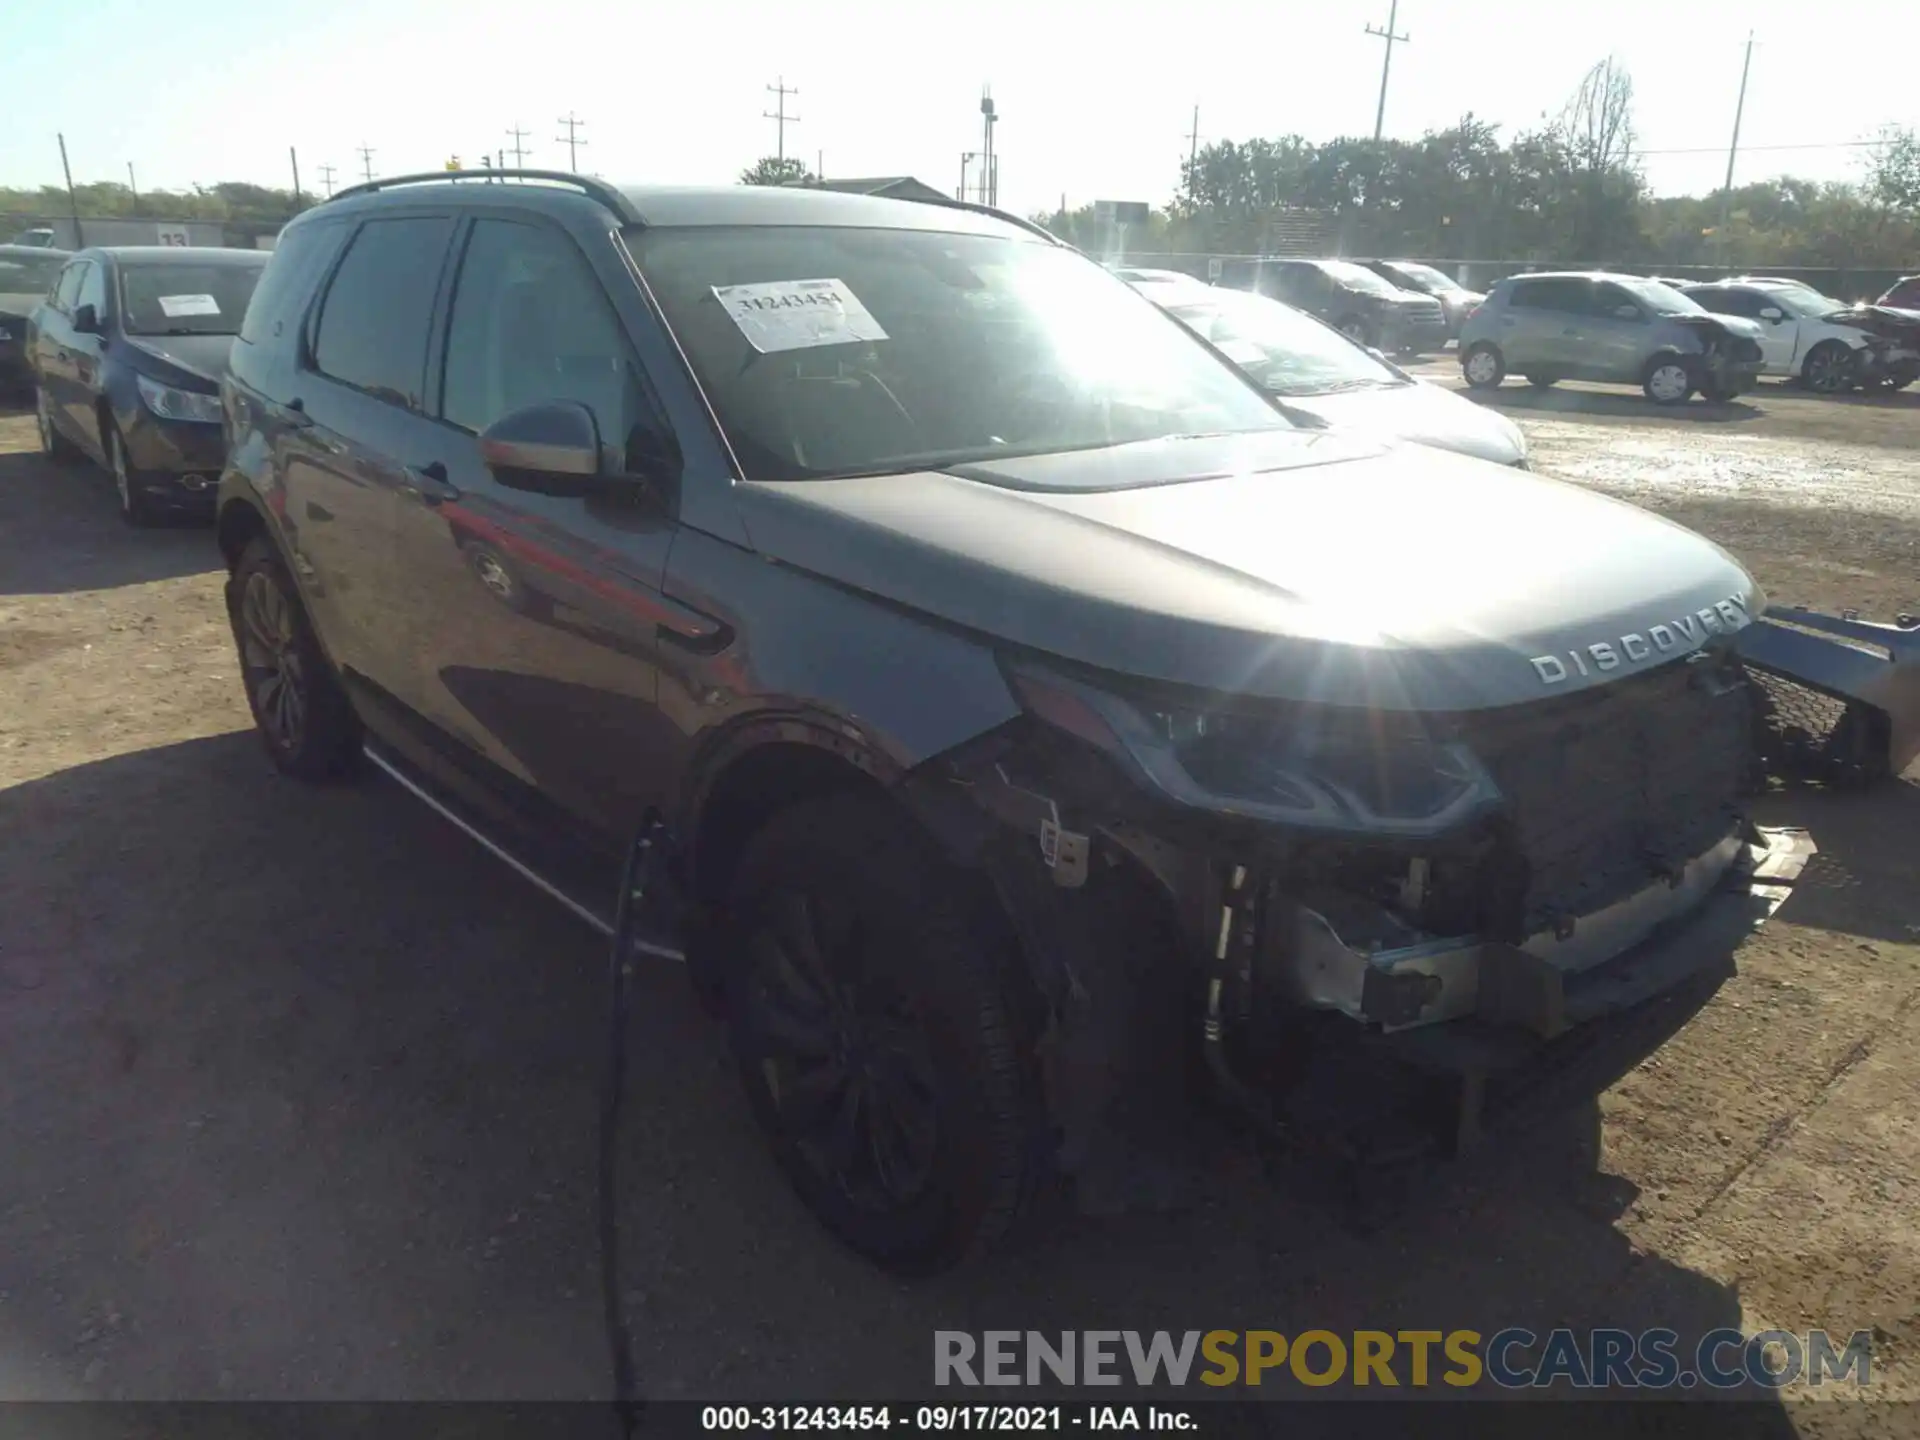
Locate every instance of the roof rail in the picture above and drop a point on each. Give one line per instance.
(609, 195)
(979, 209)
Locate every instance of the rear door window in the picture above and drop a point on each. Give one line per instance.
(1730, 302)
(372, 330)
(1559, 293)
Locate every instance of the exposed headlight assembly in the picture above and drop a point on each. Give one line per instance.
(171, 404)
(1322, 768)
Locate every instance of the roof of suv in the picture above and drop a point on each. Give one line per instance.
(675, 205)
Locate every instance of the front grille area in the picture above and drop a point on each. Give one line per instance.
(1614, 787)
(1425, 312)
(1745, 350)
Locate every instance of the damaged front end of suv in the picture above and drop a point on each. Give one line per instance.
(1386, 933)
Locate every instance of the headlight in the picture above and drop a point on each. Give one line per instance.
(171, 404)
(1364, 772)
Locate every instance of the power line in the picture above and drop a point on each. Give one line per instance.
(519, 150)
(572, 140)
(1748, 149)
(1386, 66)
(780, 117)
(366, 161)
(326, 179)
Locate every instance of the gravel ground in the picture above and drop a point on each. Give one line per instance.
(299, 1084)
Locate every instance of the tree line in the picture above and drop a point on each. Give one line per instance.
(1565, 192)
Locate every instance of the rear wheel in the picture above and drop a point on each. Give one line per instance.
(55, 446)
(875, 1012)
(1540, 381)
(1829, 368)
(299, 708)
(1483, 366)
(1666, 381)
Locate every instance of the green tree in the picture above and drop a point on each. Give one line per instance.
(776, 170)
(1893, 175)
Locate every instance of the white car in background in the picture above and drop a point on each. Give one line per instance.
(1803, 334)
(1310, 367)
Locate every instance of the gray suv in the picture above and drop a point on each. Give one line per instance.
(1033, 726)
(1618, 329)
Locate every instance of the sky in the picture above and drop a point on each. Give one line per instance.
(1095, 102)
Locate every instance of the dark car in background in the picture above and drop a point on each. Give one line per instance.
(27, 273)
(1456, 300)
(1903, 294)
(127, 353)
(1360, 304)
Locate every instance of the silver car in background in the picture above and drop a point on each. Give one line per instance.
(1617, 329)
(1313, 368)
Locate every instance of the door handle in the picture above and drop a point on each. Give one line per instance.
(1574, 333)
(429, 484)
(689, 629)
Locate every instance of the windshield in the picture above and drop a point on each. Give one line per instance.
(1425, 276)
(1284, 351)
(29, 274)
(839, 351)
(1358, 277)
(186, 299)
(1660, 299)
(1805, 303)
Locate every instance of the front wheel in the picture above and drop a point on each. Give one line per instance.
(55, 446)
(299, 707)
(1542, 382)
(1667, 382)
(1483, 366)
(876, 1015)
(1829, 369)
(136, 506)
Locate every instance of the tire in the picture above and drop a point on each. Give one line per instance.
(1828, 369)
(1543, 382)
(55, 446)
(1483, 366)
(299, 708)
(1666, 381)
(136, 506)
(875, 1017)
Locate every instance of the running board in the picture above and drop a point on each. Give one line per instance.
(585, 914)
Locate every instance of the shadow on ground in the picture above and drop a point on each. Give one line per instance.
(300, 1104)
(60, 531)
(1581, 402)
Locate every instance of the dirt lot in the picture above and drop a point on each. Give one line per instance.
(298, 1084)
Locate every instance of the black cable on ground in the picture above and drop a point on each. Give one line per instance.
(634, 881)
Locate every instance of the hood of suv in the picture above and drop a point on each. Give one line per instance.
(1295, 565)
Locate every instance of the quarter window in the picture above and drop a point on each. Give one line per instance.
(66, 292)
(372, 332)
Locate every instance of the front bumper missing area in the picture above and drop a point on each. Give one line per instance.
(1866, 673)
(1609, 960)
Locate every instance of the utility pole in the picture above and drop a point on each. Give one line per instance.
(1386, 66)
(1733, 149)
(133, 188)
(989, 165)
(572, 140)
(820, 166)
(326, 179)
(1193, 148)
(519, 150)
(366, 161)
(780, 117)
(294, 157)
(73, 200)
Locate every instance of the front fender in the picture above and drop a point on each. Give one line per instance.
(1871, 669)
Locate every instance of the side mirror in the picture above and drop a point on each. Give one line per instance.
(1626, 312)
(86, 320)
(552, 448)
(1772, 316)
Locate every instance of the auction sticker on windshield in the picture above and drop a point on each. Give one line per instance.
(177, 307)
(779, 315)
